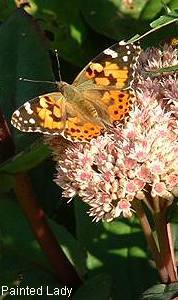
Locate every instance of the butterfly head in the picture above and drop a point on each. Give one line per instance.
(66, 90)
(61, 86)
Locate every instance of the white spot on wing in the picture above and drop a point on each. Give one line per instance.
(17, 113)
(27, 107)
(125, 58)
(110, 52)
(122, 43)
(29, 129)
(31, 121)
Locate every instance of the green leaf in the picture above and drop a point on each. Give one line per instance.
(156, 25)
(122, 17)
(161, 292)
(6, 8)
(23, 53)
(64, 25)
(173, 5)
(71, 247)
(175, 237)
(157, 72)
(163, 21)
(172, 214)
(117, 248)
(6, 183)
(152, 8)
(99, 287)
(16, 237)
(47, 192)
(27, 159)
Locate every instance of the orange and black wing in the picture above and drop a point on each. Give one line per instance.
(107, 81)
(46, 114)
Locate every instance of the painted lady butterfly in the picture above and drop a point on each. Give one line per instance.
(100, 95)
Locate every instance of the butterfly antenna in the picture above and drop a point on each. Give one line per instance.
(58, 64)
(38, 81)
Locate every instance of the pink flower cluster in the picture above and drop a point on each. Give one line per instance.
(138, 161)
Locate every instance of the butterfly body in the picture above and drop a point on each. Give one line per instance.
(99, 96)
(78, 103)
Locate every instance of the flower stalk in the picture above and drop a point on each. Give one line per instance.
(165, 245)
(162, 247)
(151, 240)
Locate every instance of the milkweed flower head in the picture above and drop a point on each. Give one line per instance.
(136, 161)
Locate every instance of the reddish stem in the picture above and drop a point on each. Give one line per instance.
(64, 271)
(171, 243)
(150, 239)
(165, 244)
(7, 147)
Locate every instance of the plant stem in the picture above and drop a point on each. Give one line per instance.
(64, 271)
(165, 244)
(171, 243)
(7, 147)
(137, 204)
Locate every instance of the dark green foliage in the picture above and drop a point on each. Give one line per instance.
(161, 292)
(103, 285)
(111, 258)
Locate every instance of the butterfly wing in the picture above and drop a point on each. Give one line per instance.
(52, 114)
(79, 129)
(102, 95)
(112, 67)
(46, 114)
(106, 81)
